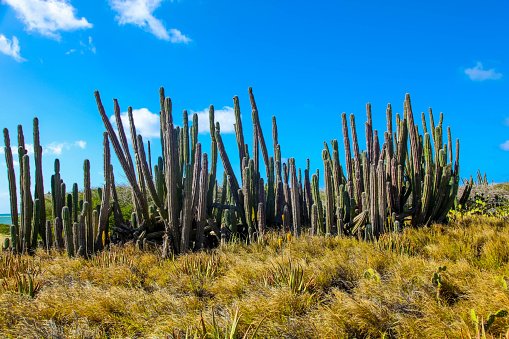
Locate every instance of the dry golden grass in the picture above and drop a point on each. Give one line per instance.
(304, 288)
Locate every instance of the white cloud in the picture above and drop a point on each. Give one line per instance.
(176, 36)
(81, 144)
(506, 121)
(146, 122)
(225, 117)
(48, 17)
(10, 47)
(141, 14)
(54, 148)
(505, 146)
(57, 148)
(478, 73)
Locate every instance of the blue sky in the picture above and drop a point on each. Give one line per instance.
(307, 62)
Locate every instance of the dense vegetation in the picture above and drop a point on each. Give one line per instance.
(409, 179)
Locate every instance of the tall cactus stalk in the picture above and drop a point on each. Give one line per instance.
(87, 222)
(296, 222)
(27, 205)
(39, 184)
(36, 224)
(106, 193)
(68, 231)
(11, 176)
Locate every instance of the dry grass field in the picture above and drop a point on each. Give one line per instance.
(438, 282)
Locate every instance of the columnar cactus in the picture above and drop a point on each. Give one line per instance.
(87, 198)
(58, 232)
(11, 176)
(39, 185)
(56, 191)
(296, 225)
(68, 231)
(105, 210)
(27, 205)
(202, 202)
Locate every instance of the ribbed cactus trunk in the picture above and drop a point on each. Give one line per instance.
(39, 184)
(56, 191)
(81, 231)
(202, 202)
(11, 177)
(105, 199)
(171, 238)
(21, 153)
(87, 222)
(36, 224)
(187, 210)
(213, 160)
(68, 231)
(296, 216)
(58, 232)
(329, 193)
(27, 205)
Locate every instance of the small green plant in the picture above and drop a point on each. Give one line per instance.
(372, 274)
(288, 274)
(201, 266)
(437, 280)
(27, 285)
(230, 330)
(485, 325)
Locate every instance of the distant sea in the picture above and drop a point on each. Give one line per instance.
(5, 219)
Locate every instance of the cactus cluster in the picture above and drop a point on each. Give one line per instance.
(69, 229)
(408, 179)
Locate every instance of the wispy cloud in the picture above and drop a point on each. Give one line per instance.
(57, 148)
(53, 148)
(479, 73)
(141, 14)
(225, 117)
(146, 122)
(10, 47)
(177, 37)
(80, 144)
(505, 146)
(87, 46)
(48, 17)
